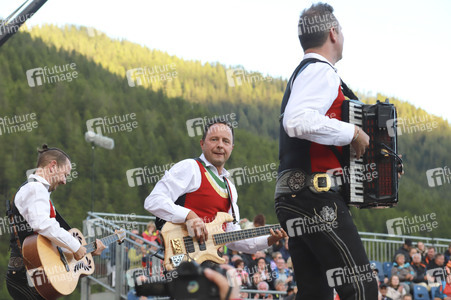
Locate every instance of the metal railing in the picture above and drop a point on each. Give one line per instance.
(114, 269)
(382, 247)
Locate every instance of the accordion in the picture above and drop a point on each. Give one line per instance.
(372, 180)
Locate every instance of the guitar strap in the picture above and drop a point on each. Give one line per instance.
(229, 192)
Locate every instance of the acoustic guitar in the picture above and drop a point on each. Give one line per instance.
(180, 246)
(53, 270)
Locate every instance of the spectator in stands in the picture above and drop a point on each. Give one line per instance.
(227, 260)
(421, 249)
(135, 254)
(291, 293)
(275, 256)
(250, 260)
(420, 276)
(407, 297)
(404, 271)
(444, 291)
(429, 257)
(265, 271)
(259, 220)
(447, 254)
(438, 262)
(242, 275)
(280, 286)
(263, 286)
(404, 249)
(412, 252)
(235, 258)
(282, 247)
(129, 244)
(151, 233)
(383, 292)
(395, 289)
(282, 272)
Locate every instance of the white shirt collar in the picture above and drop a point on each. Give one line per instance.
(213, 168)
(320, 57)
(40, 179)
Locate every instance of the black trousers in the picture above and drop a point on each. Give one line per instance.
(325, 247)
(18, 287)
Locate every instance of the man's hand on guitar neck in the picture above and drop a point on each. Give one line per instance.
(196, 227)
(99, 248)
(276, 236)
(81, 252)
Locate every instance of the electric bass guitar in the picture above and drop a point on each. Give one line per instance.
(53, 270)
(180, 246)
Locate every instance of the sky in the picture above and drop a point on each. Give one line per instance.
(397, 48)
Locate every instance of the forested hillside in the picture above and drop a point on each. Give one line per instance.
(163, 110)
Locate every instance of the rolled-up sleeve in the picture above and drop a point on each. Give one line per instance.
(184, 177)
(33, 203)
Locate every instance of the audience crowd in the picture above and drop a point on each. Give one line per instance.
(272, 270)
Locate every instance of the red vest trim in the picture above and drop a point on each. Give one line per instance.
(322, 157)
(206, 202)
(52, 210)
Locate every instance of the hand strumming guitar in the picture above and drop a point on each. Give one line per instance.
(81, 252)
(196, 227)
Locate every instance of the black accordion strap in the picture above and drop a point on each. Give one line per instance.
(339, 156)
(347, 91)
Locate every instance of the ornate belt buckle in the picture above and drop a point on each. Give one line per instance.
(321, 182)
(296, 181)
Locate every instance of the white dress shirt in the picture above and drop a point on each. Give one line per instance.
(312, 94)
(185, 177)
(33, 202)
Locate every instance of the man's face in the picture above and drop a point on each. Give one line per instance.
(218, 144)
(57, 173)
(383, 291)
(280, 264)
(420, 246)
(400, 260)
(440, 260)
(431, 252)
(416, 259)
(261, 264)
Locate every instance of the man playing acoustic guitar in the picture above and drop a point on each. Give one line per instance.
(33, 212)
(195, 190)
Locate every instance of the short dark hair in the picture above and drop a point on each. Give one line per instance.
(237, 262)
(314, 25)
(439, 255)
(259, 220)
(213, 122)
(46, 155)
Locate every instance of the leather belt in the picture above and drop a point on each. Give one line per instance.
(295, 180)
